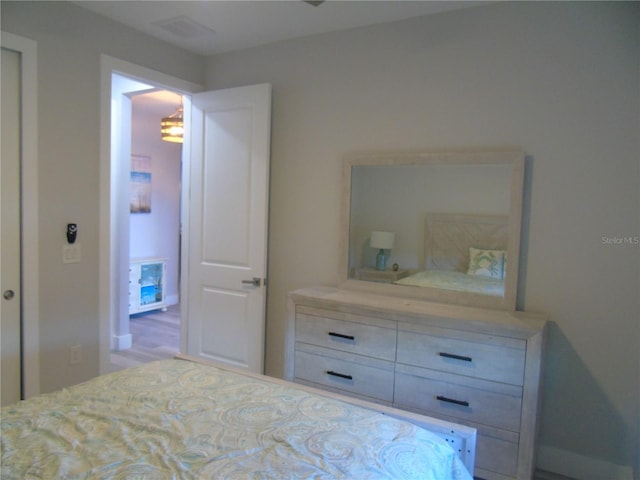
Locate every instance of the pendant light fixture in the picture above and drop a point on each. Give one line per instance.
(172, 127)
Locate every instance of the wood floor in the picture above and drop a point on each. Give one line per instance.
(156, 335)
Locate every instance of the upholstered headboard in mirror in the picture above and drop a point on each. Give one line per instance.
(448, 238)
(398, 193)
(463, 253)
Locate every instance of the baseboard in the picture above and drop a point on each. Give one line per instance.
(573, 465)
(544, 475)
(122, 342)
(172, 299)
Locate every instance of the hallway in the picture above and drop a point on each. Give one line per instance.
(156, 335)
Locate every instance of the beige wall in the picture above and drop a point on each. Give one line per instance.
(559, 80)
(70, 41)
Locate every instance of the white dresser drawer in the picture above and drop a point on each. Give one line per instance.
(351, 373)
(464, 353)
(470, 399)
(496, 455)
(496, 450)
(347, 336)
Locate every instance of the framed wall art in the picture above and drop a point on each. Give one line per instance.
(140, 184)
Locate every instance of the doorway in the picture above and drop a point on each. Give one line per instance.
(153, 329)
(130, 90)
(226, 155)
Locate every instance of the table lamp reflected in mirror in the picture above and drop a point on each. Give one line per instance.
(382, 241)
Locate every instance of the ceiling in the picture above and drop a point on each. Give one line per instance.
(209, 27)
(160, 103)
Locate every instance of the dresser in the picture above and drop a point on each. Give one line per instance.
(473, 366)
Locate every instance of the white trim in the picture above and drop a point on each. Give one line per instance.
(146, 75)
(573, 465)
(123, 342)
(185, 196)
(172, 299)
(29, 158)
(107, 301)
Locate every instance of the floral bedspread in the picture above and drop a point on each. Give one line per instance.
(176, 419)
(457, 281)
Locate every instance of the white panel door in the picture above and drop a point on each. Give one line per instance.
(228, 209)
(10, 227)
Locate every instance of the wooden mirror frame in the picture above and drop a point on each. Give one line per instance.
(515, 158)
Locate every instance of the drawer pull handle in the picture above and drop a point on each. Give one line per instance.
(452, 400)
(341, 335)
(341, 375)
(457, 357)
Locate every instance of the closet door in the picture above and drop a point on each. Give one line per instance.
(10, 315)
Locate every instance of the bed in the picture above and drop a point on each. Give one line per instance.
(181, 418)
(463, 253)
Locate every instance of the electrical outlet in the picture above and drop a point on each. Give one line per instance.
(74, 355)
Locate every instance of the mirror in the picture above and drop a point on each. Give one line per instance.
(442, 226)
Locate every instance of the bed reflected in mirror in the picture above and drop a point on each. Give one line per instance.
(454, 219)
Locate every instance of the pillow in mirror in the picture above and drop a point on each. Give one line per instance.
(487, 263)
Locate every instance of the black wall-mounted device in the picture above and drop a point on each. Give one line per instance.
(72, 232)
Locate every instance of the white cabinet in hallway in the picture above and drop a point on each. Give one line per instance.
(146, 284)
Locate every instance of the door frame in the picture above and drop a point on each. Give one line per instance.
(29, 216)
(110, 301)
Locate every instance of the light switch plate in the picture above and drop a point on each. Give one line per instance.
(71, 253)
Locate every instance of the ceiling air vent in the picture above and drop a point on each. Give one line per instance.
(184, 27)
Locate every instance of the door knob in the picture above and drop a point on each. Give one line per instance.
(255, 282)
(8, 294)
